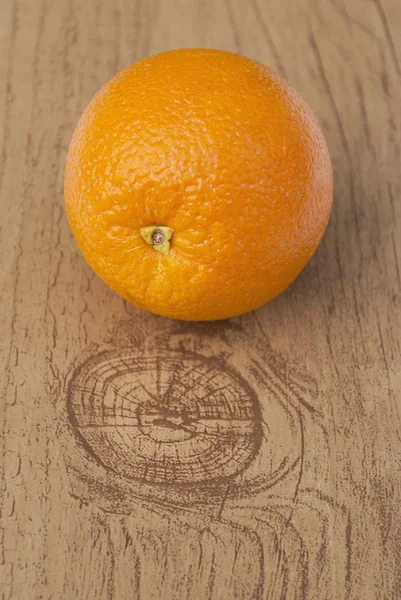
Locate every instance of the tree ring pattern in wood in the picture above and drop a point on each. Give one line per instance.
(167, 419)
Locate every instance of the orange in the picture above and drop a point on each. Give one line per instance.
(198, 184)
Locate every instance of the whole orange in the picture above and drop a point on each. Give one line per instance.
(198, 184)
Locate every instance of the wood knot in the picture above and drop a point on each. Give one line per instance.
(167, 419)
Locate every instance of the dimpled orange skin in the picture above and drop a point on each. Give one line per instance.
(220, 149)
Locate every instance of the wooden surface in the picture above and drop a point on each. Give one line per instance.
(277, 472)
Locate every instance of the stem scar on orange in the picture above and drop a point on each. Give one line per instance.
(198, 184)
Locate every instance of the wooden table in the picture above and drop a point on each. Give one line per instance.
(303, 499)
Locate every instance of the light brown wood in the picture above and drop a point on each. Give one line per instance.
(285, 481)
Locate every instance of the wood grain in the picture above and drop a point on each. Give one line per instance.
(258, 458)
